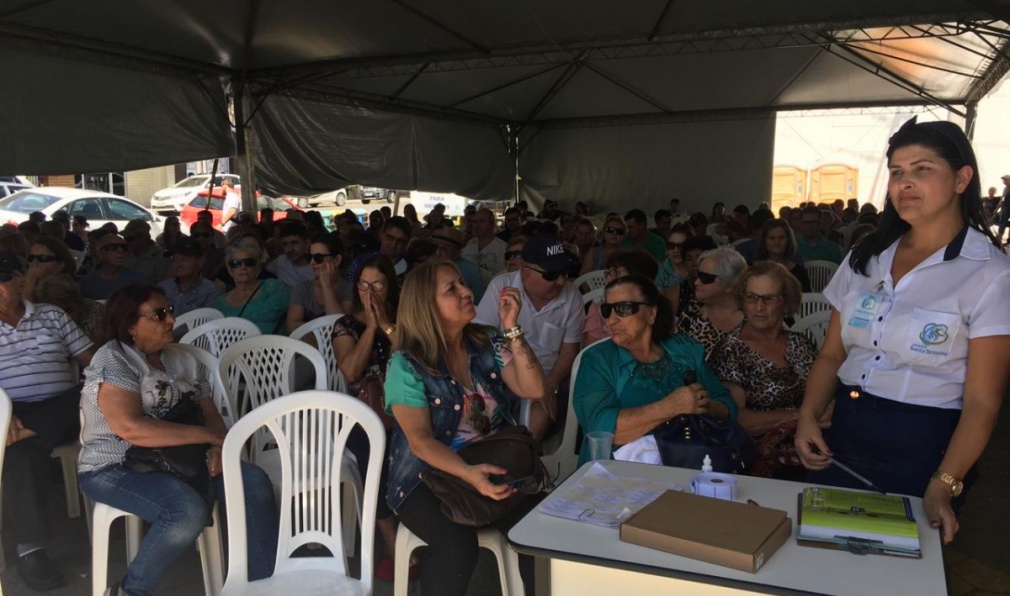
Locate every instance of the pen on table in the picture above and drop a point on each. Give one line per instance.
(852, 472)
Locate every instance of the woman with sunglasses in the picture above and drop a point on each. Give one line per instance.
(514, 254)
(635, 381)
(135, 379)
(361, 344)
(621, 263)
(61, 290)
(917, 351)
(673, 271)
(262, 301)
(765, 366)
(777, 244)
(320, 295)
(714, 311)
(446, 387)
(47, 256)
(613, 233)
(112, 272)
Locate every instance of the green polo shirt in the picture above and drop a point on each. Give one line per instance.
(654, 245)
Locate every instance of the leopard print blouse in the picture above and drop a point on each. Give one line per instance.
(768, 385)
(694, 323)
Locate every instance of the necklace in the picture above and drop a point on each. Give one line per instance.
(654, 371)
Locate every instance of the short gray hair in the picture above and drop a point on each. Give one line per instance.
(729, 264)
(248, 246)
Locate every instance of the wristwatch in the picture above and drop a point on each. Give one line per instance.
(956, 486)
(389, 330)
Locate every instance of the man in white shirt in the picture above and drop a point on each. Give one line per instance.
(552, 315)
(485, 249)
(232, 205)
(293, 266)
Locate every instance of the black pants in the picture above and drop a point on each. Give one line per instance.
(452, 548)
(26, 467)
(357, 443)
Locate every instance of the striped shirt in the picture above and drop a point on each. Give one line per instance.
(35, 355)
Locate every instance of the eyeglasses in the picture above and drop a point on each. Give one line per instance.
(625, 308)
(319, 257)
(550, 275)
(379, 285)
(613, 230)
(42, 258)
(707, 278)
(247, 262)
(513, 254)
(766, 300)
(674, 246)
(476, 414)
(120, 246)
(161, 313)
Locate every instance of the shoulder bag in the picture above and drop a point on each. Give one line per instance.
(684, 442)
(511, 448)
(372, 392)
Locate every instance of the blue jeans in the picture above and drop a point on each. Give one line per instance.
(178, 514)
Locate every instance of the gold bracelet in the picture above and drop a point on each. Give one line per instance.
(389, 330)
(513, 333)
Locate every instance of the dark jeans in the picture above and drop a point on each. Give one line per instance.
(896, 445)
(27, 481)
(452, 548)
(357, 443)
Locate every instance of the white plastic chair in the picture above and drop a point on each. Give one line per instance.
(5, 421)
(218, 393)
(218, 335)
(813, 302)
(311, 430)
(257, 370)
(489, 538)
(322, 329)
(815, 326)
(593, 279)
(197, 317)
(820, 273)
(593, 296)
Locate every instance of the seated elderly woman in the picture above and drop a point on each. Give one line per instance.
(451, 383)
(634, 382)
(620, 263)
(61, 290)
(714, 311)
(262, 301)
(134, 382)
(766, 366)
(47, 256)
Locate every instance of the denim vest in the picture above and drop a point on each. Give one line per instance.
(445, 404)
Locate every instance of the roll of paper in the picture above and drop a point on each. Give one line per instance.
(715, 485)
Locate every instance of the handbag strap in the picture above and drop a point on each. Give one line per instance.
(246, 303)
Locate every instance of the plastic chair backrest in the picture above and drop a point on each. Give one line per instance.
(593, 296)
(593, 279)
(258, 369)
(218, 335)
(814, 326)
(820, 273)
(322, 329)
(5, 420)
(197, 317)
(813, 302)
(217, 388)
(311, 430)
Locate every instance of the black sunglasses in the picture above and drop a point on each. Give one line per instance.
(121, 247)
(247, 262)
(550, 275)
(625, 308)
(513, 254)
(319, 257)
(707, 278)
(161, 313)
(6, 276)
(613, 230)
(42, 258)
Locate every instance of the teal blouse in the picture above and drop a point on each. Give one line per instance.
(610, 379)
(268, 308)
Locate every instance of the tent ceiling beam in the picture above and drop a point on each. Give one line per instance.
(659, 21)
(628, 88)
(13, 10)
(969, 75)
(409, 82)
(440, 25)
(250, 30)
(559, 84)
(504, 85)
(993, 74)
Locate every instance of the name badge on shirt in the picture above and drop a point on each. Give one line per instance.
(869, 304)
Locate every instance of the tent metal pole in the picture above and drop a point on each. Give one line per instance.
(971, 112)
(241, 147)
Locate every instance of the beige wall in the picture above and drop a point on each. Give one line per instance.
(141, 184)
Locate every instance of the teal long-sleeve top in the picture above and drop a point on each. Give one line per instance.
(607, 382)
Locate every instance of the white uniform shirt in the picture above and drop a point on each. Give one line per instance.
(232, 200)
(491, 258)
(909, 342)
(560, 321)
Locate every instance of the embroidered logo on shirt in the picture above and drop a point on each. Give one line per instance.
(933, 334)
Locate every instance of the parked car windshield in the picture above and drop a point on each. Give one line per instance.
(27, 201)
(192, 182)
(200, 202)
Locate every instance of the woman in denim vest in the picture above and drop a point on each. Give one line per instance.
(446, 387)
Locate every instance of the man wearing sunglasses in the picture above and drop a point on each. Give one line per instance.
(112, 272)
(551, 316)
(188, 290)
(37, 342)
(639, 236)
(293, 266)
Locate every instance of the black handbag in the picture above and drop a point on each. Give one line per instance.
(511, 448)
(186, 462)
(684, 442)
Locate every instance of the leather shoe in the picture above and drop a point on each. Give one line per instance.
(38, 572)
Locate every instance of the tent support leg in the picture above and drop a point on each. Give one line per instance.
(242, 156)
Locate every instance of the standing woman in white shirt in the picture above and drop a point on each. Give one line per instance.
(918, 348)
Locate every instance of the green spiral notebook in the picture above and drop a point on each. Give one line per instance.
(866, 523)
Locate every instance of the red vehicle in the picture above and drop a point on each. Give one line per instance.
(189, 213)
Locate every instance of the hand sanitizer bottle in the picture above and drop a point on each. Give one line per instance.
(706, 464)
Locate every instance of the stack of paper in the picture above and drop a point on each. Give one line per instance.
(604, 499)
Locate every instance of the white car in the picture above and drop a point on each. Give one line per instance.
(11, 184)
(99, 207)
(171, 200)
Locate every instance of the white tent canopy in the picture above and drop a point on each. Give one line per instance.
(589, 99)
